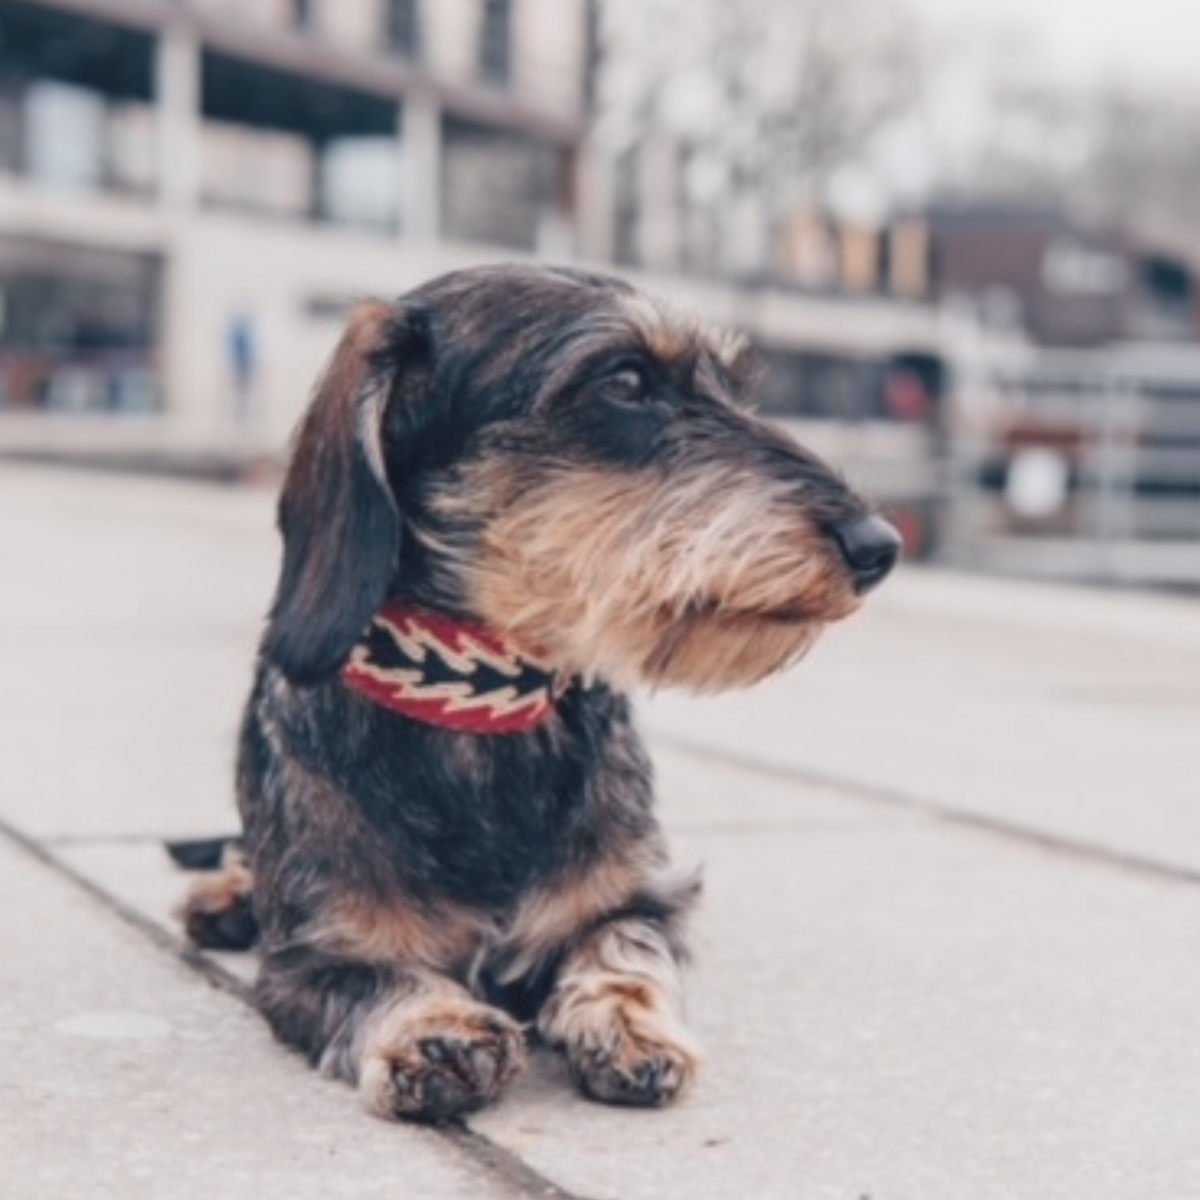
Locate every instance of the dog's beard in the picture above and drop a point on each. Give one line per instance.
(719, 652)
(659, 582)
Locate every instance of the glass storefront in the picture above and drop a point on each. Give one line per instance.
(78, 329)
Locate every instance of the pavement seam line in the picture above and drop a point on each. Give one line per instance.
(203, 965)
(896, 799)
(504, 1167)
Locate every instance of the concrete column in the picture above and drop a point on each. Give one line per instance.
(177, 95)
(658, 185)
(419, 122)
(595, 204)
(13, 155)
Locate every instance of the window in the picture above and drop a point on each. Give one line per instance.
(498, 187)
(495, 42)
(80, 328)
(402, 31)
(815, 385)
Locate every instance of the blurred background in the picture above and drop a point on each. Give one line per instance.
(965, 236)
(951, 940)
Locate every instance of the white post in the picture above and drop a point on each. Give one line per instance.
(420, 139)
(594, 203)
(177, 94)
(658, 188)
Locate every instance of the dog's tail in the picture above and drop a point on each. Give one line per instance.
(202, 854)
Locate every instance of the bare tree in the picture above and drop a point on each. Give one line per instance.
(766, 100)
(1128, 154)
(1144, 163)
(854, 68)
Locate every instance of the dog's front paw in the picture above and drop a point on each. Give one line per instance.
(633, 1071)
(440, 1063)
(623, 1043)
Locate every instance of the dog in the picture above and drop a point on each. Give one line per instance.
(518, 493)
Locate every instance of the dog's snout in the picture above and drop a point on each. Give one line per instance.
(870, 547)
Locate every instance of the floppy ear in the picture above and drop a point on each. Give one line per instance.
(338, 516)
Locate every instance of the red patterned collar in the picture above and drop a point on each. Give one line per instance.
(447, 672)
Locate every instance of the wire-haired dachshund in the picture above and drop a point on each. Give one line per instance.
(518, 492)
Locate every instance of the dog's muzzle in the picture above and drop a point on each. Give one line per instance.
(870, 547)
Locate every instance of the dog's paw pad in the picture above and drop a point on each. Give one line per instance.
(643, 1074)
(436, 1075)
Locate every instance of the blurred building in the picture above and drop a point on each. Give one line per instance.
(1022, 269)
(192, 191)
(1047, 274)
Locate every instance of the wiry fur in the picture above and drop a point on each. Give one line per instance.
(557, 457)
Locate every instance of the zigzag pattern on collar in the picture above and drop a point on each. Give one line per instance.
(448, 673)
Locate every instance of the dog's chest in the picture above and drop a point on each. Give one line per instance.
(487, 819)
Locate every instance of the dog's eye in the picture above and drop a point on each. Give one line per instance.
(625, 386)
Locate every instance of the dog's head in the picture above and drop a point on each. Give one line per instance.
(556, 456)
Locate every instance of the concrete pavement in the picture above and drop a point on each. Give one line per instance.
(949, 948)
(126, 1076)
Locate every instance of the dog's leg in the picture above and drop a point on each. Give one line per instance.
(615, 1012)
(416, 1043)
(217, 912)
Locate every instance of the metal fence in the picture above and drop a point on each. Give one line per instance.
(1082, 465)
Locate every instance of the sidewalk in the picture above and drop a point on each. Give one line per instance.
(948, 951)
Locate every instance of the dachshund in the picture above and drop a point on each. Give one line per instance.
(518, 493)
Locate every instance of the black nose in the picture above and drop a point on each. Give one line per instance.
(870, 547)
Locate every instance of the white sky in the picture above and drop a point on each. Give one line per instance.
(1150, 41)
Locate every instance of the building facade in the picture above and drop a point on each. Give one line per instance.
(1047, 274)
(192, 192)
